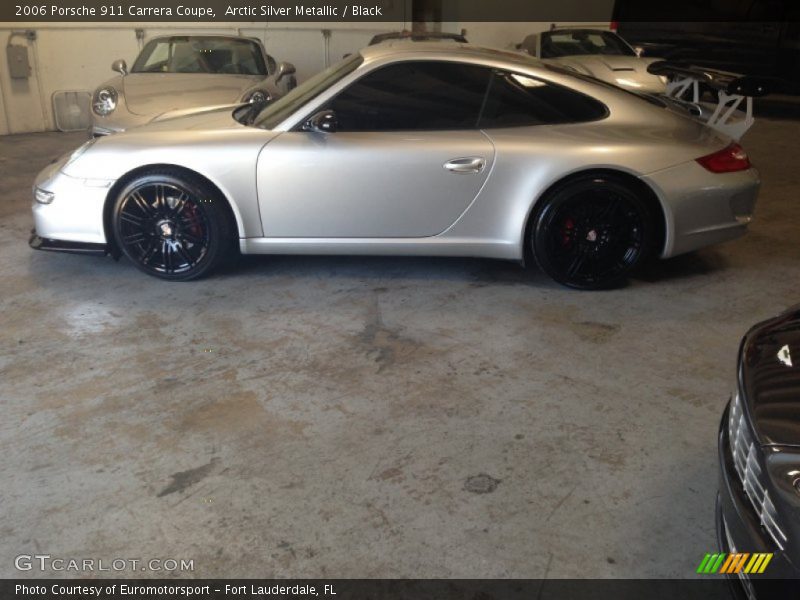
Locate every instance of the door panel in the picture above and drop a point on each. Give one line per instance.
(376, 184)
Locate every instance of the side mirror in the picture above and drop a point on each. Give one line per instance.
(324, 121)
(284, 69)
(120, 66)
(639, 50)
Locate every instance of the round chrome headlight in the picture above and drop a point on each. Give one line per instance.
(104, 101)
(258, 97)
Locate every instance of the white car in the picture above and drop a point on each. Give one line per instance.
(598, 53)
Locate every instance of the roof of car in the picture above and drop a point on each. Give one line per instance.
(411, 49)
(203, 35)
(575, 29)
(418, 36)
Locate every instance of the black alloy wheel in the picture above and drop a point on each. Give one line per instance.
(172, 226)
(592, 233)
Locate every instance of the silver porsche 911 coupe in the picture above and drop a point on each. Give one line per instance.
(409, 149)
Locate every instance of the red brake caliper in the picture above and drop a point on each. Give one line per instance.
(194, 218)
(567, 232)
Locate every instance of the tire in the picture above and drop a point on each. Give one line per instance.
(172, 226)
(592, 233)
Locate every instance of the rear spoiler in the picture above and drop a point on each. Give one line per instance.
(732, 89)
(730, 83)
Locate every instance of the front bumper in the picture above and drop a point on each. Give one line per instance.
(76, 212)
(39, 243)
(739, 530)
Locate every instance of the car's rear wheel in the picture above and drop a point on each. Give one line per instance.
(591, 233)
(172, 226)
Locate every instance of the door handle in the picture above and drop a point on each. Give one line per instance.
(467, 164)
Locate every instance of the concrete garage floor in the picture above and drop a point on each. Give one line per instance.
(374, 417)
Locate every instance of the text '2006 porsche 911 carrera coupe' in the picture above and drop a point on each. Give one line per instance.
(410, 149)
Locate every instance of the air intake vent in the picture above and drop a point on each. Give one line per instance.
(72, 110)
(746, 459)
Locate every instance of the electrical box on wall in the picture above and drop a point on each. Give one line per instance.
(19, 67)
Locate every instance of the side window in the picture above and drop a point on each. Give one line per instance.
(407, 96)
(519, 101)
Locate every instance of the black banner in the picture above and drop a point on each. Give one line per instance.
(711, 588)
(394, 10)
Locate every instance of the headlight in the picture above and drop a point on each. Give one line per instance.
(43, 196)
(258, 97)
(104, 101)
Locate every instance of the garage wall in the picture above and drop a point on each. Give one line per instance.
(78, 56)
(3, 119)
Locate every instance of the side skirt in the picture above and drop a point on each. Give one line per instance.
(471, 247)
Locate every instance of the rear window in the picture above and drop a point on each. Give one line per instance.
(649, 98)
(515, 100)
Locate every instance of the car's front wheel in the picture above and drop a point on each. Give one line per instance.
(591, 233)
(172, 226)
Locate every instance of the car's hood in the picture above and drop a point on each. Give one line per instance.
(770, 364)
(632, 69)
(196, 110)
(157, 93)
(206, 119)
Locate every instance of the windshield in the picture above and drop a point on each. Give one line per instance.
(197, 54)
(582, 42)
(304, 93)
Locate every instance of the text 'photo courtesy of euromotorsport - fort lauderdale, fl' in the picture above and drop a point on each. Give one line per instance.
(399, 299)
(174, 590)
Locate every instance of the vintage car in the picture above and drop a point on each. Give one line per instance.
(410, 148)
(596, 52)
(181, 72)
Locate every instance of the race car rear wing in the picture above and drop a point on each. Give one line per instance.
(687, 82)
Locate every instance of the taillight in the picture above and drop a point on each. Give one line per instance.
(613, 26)
(727, 160)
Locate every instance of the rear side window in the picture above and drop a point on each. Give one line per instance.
(414, 96)
(515, 100)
